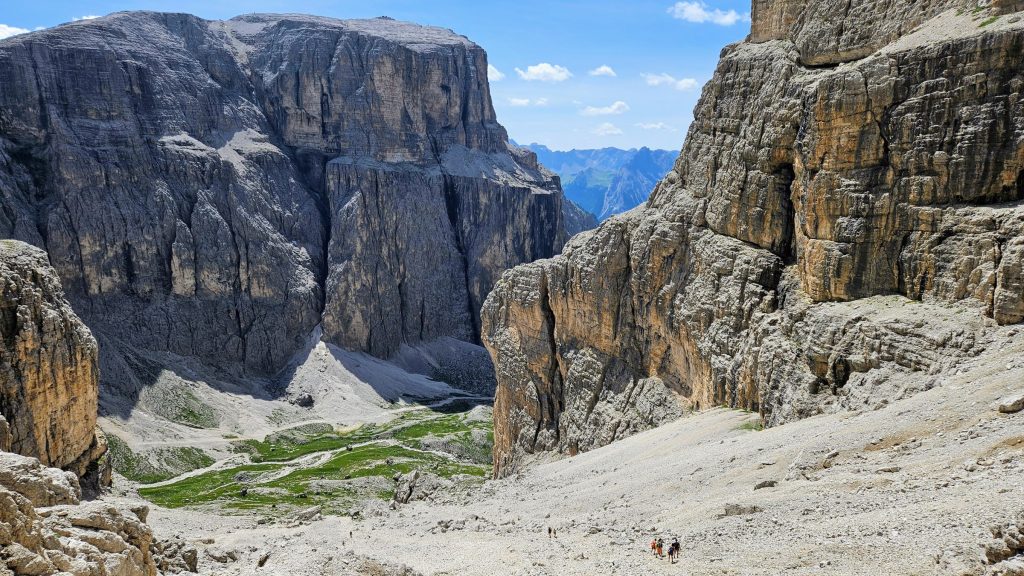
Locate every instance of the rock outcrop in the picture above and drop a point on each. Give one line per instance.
(1005, 552)
(48, 367)
(217, 189)
(44, 530)
(846, 208)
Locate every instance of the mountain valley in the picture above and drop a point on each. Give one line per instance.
(280, 296)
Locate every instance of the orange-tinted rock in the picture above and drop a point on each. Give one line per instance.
(48, 365)
(846, 209)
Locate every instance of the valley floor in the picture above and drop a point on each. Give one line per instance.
(908, 489)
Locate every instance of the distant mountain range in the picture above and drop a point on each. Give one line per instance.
(607, 181)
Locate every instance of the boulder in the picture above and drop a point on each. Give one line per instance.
(1011, 404)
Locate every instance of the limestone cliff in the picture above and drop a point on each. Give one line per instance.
(846, 207)
(48, 366)
(218, 189)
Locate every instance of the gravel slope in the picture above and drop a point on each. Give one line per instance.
(908, 489)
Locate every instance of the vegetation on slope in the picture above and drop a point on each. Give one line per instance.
(337, 469)
(160, 464)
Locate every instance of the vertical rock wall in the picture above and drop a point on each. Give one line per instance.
(218, 189)
(48, 366)
(845, 210)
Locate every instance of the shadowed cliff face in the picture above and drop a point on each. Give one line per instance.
(217, 189)
(846, 208)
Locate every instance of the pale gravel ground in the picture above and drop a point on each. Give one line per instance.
(347, 387)
(850, 518)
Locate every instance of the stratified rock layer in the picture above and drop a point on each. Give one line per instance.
(845, 208)
(44, 530)
(218, 189)
(48, 366)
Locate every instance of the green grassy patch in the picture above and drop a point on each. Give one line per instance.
(443, 426)
(988, 21)
(178, 404)
(752, 426)
(241, 487)
(203, 488)
(361, 464)
(158, 465)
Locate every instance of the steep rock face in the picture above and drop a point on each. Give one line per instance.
(48, 366)
(217, 189)
(846, 207)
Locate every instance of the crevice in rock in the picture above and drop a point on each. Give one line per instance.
(554, 370)
(452, 208)
(820, 66)
(991, 304)
(784, 176)
(1015, 191)
(839, 373)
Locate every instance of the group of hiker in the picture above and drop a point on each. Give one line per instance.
(657, 546)
(658, 549)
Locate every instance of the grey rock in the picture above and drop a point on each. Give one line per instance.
(43, 486)
(739, 510)
(217, 189)
(88, 538)
(307, 514)
(418, 485)
(1011, 404)
(303, 401)
(222, 555)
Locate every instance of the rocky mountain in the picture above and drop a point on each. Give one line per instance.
(846, 211)
(217, 190)
(49, 376)
(607, 181)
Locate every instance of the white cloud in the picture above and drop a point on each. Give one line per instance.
(86, 17)
(521, 102)
(8, 31)
(493, 74)
(699, 13)
(655, 126)
(668, 80)
(618, 107)
(545, 72)
(607, 129)
(603, 70)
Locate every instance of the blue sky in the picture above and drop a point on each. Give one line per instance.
(576, 74)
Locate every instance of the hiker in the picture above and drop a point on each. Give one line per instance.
(554, 532)
(654, 546)
(674, 550)
(661, 548)
(549, 531)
